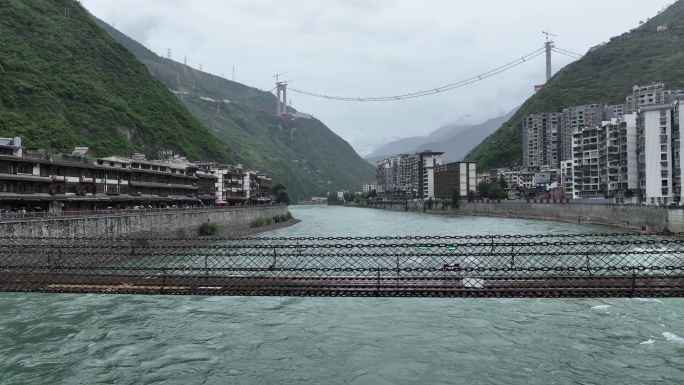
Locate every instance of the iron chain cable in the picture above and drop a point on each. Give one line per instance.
(559, 265)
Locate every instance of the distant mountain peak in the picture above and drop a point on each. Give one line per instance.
(454, 139)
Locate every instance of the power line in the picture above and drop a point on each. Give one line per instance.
(574, 56)
(566, 51)
(432, 91)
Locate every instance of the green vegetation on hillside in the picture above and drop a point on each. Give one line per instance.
(302, 154)
(65, 83)
(604, 75)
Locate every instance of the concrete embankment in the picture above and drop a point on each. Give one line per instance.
(632, 217)
(172, 224)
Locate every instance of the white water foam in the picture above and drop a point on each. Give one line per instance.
(600, 307)
(673, 337)
(649, 342)
(648, 300)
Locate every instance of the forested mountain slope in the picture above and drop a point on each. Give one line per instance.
(65, 83)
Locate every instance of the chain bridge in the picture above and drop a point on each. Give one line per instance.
(570, 265)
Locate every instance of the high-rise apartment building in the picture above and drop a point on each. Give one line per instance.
(427, 161)
(651, 94)
(541, 143)
(589, 162)
(658, 152)
(579, 117)
(604, 158)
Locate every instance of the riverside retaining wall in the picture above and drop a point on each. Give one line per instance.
(172, 224)
(632, 217)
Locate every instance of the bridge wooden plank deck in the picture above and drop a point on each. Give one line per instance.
(553, 265)
(394, 286)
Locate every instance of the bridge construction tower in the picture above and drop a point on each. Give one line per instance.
(549, 45)
(281, 107)
(281, 104)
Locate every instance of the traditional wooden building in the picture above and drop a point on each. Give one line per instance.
(30, 180)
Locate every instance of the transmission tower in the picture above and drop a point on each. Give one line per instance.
(168, 53)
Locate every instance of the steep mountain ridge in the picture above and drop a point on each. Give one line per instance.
(604, 75)
(456, 146)
(65, 83)
(303, 154)
(409, 144)
(454, 139)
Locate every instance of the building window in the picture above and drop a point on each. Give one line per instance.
(25, 168)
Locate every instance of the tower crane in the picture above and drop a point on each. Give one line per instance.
(547, 33)
(277, 75)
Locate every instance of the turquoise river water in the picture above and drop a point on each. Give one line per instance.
(119, 339)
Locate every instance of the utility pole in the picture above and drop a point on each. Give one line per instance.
(185, 60)
(548, 45)
(233, 73)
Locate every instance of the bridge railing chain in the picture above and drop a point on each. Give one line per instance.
(576, 265)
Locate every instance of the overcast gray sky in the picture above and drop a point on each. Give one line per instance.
(363, 48)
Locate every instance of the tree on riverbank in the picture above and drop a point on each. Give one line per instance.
(280, 193)
(491, 190)
(455, 199)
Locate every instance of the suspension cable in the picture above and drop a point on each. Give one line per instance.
(447, 87)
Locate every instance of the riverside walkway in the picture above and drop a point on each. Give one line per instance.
(571, 265)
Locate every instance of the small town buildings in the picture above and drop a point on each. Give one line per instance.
(31, 180)
(628, 152)
(566, 178)
(369, 187)
(407, 176)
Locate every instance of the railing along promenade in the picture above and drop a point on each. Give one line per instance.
(570, 265)
(115, 212)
